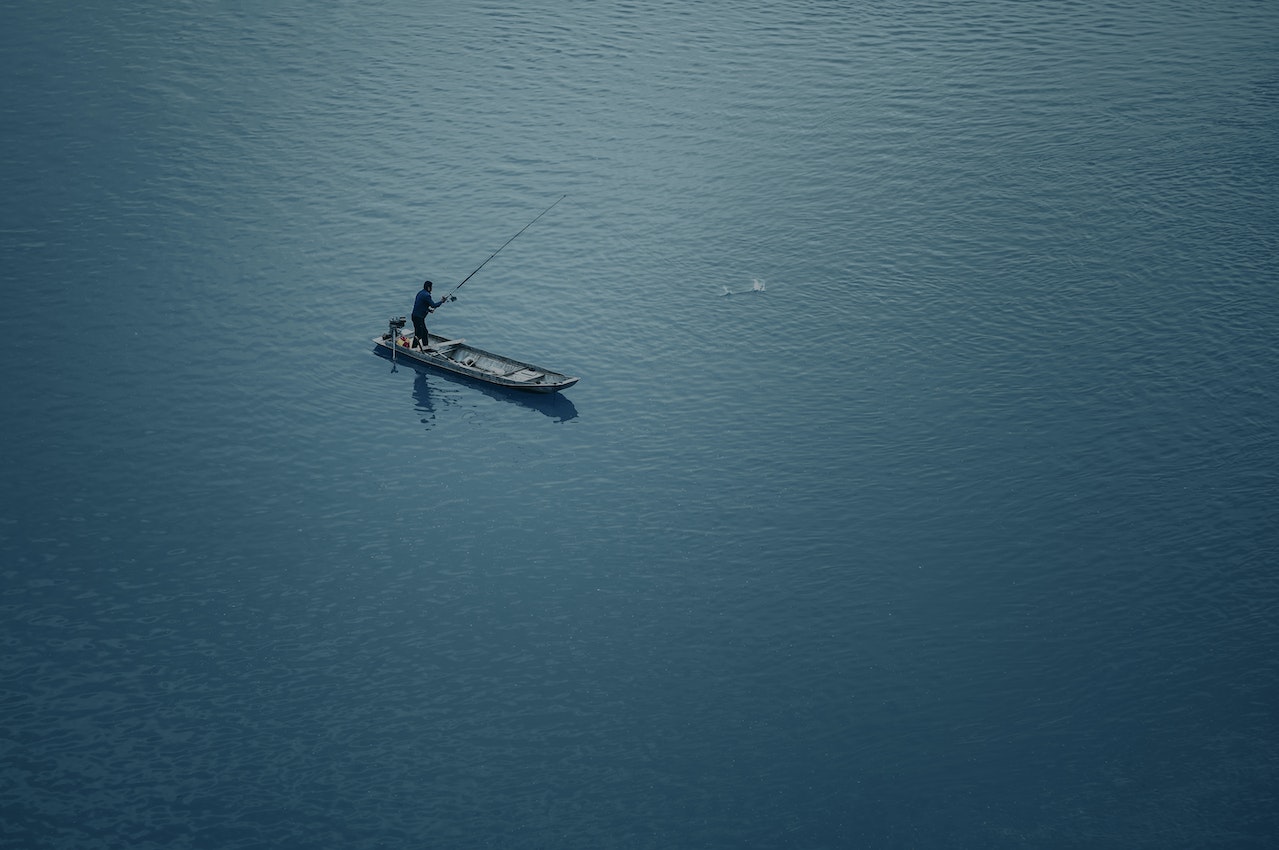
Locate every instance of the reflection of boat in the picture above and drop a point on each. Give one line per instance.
(554, 405)
(454, 355)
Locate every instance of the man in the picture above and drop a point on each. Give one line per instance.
(422, 305)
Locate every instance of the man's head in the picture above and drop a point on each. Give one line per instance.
(427, 286)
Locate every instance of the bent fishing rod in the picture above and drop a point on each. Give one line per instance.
(450, 296)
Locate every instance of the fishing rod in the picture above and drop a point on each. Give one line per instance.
(499, 250)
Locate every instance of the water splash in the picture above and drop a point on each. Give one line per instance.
(757, 285)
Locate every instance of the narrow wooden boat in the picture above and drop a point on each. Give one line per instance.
(454, 355)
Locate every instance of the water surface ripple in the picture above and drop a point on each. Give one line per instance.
(918, 491)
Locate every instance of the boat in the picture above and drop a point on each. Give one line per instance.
(454, 355)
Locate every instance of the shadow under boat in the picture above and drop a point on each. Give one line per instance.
(555, 405)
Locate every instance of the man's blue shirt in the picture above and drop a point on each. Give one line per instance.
(424, 303)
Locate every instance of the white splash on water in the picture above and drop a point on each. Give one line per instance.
(757, 285)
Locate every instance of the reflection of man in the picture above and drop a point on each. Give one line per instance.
(422, 395)
(422, 305)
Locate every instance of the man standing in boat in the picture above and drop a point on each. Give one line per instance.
(422, 305)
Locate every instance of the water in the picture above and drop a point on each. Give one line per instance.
(956, 530)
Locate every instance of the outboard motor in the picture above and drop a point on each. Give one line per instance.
(393, 331)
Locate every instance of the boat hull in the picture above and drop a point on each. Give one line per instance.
(461, 359)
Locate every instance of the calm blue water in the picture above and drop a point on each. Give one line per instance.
(952, 524)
